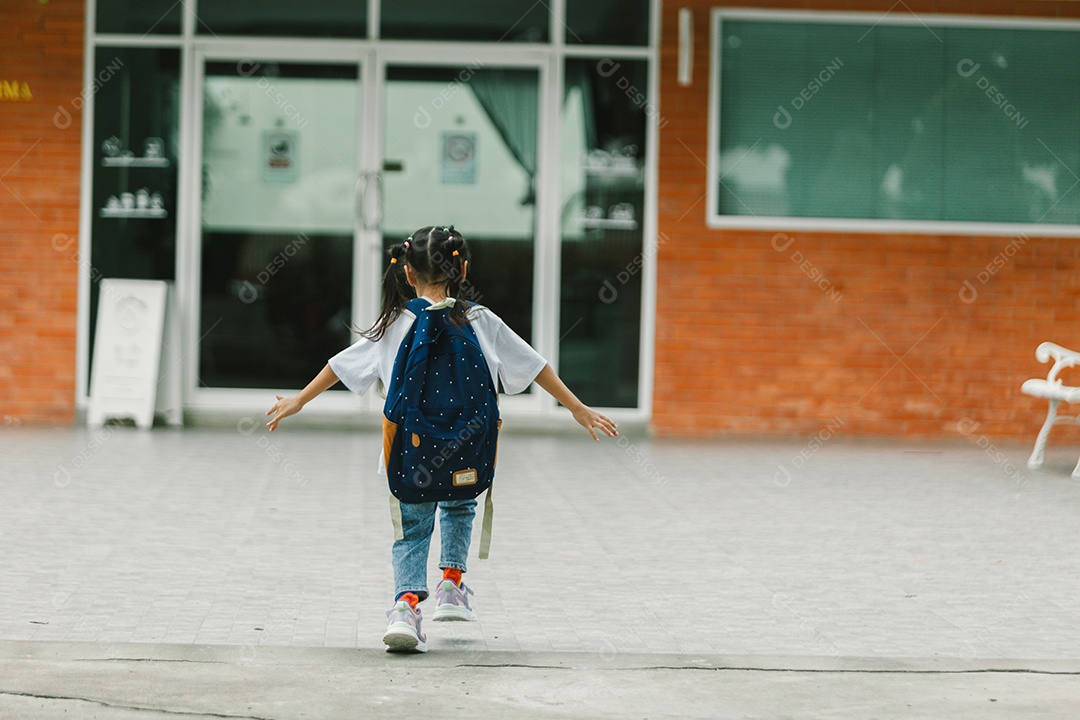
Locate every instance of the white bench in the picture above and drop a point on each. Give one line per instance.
(1053, 390)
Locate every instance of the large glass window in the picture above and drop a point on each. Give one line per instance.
(490, 20)
(293, 188)
(141, 17)
(136, 138)
(607, 22)
(311, 18)
(875, 120)
(279, 200)
(603, 208)
(461, 149)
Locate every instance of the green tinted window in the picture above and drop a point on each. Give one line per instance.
(604, 246)
(607, 22)
(312, 18)
(493, 20)
(909, 122)
(140, 17)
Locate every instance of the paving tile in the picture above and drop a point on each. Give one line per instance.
(198, 536)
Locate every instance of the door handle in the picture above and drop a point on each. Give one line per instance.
(361, 194)
(372, 201)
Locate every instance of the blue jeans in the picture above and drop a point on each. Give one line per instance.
(411, 553)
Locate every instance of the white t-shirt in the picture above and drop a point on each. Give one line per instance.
(511, 360)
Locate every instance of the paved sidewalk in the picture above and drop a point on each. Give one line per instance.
(241, 544)
(43, 681)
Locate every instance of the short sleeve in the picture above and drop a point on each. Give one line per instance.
(512, 360)
(365, 361)
(357, 366)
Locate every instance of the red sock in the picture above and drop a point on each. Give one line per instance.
(452, 574)
(410, 598)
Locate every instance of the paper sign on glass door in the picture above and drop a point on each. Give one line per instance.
(459, 158)
(279, 156)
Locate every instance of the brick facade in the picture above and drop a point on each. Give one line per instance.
(889, 347)
(41, 54)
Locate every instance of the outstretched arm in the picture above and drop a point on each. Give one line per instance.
(286, 406)
(585, 415)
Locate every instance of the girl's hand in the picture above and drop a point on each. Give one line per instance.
(283, 408)
(590, 419)
(585, 415)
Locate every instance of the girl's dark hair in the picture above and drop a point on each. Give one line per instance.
(436, 255)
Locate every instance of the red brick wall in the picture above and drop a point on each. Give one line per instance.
(41, 49)
(748, 344)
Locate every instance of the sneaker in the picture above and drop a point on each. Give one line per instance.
(404, 634)
(452, 603)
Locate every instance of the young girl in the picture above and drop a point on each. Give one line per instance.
(434, 261)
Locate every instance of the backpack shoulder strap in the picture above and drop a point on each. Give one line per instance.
(392, 405)
(417, 305)
(485, 529)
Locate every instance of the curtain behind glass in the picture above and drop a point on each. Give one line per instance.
(510, 99)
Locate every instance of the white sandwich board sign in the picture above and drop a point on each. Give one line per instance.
(131, 376)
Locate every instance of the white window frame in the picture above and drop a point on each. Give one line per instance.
(714, 219)
(373, 55)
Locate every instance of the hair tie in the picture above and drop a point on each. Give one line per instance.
(393, 261)
(406, 244)
(454, 254)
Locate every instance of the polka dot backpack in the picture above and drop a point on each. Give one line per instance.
(441, 418)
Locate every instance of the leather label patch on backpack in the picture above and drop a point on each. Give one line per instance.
(465, 477)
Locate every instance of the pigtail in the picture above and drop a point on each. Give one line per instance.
(435, 254)
(456, 253)
(394, 297)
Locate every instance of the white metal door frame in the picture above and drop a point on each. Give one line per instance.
(373, 57)
(545, 311)
(189, 265)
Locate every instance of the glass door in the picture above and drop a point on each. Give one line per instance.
(278, 210)
(461, 147)
(295, 212)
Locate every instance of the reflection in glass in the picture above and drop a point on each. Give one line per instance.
(490, 20)
(603, 182)
(908, 122)
(278, 214)
(275, 307)
(907, 165)
(461, 149)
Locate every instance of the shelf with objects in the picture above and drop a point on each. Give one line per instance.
(134, 168)
(614, 187)
(141, 203)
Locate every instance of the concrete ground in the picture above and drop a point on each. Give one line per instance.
(227, 572)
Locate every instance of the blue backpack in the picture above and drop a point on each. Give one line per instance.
(441, 417)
